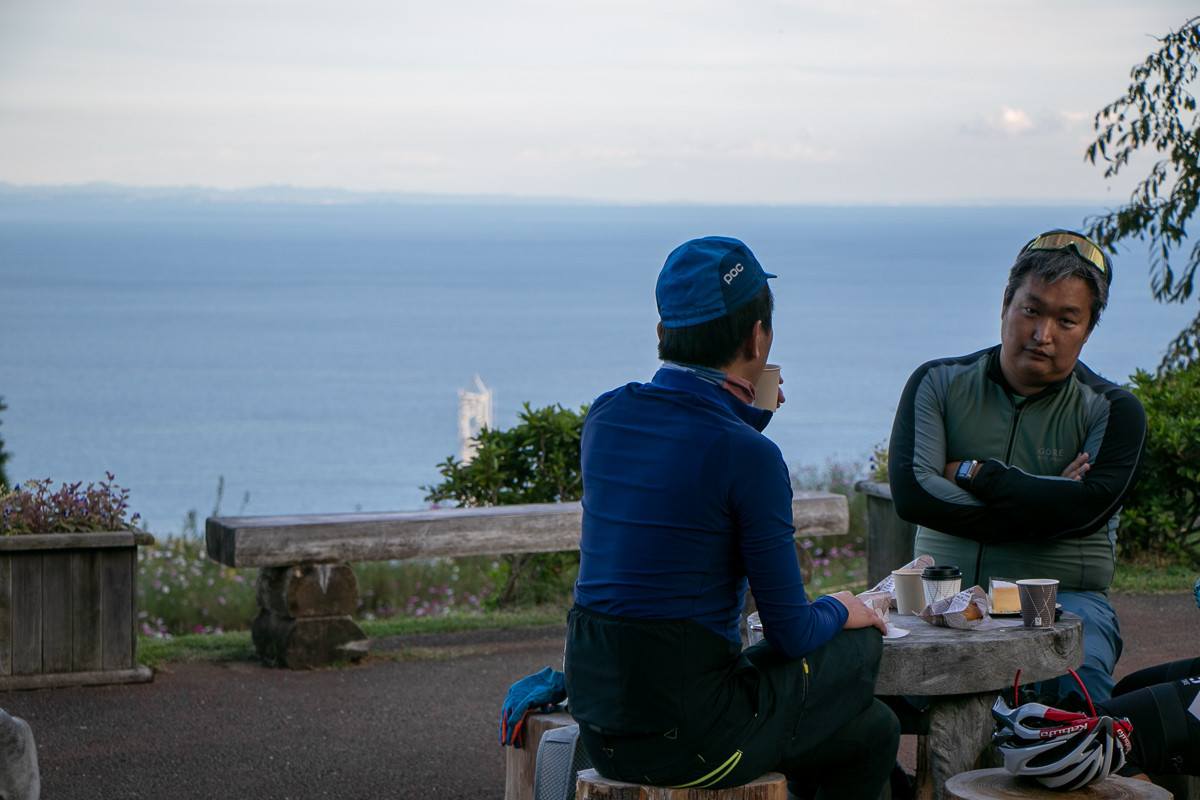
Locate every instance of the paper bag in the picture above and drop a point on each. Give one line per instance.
(964, 610)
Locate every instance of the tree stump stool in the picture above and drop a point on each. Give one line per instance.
(998, 784)
(521, 762)
(591, 786)
(1181, 787)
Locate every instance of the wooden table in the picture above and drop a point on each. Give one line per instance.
(961, 672)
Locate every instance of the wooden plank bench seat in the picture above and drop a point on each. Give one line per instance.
(307, 593)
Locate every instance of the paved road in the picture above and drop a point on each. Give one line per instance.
(417, 719)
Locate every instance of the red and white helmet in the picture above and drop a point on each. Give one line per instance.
(1059, 749)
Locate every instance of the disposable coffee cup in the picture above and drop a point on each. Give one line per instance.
(940, 583)
(766, 391)
(910, 591)
(879, 602)
(1038, 599)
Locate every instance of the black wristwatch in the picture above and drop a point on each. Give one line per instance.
(963, 476)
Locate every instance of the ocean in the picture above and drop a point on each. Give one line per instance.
(310, 355)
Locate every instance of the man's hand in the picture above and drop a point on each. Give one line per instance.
(1076, 468)
(861, 614)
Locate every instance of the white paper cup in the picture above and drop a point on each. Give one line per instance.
(910, 591)
(1038, 599)
(766, 391)
(940, 583)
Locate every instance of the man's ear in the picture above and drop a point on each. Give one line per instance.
(660, 330)
(750, 348)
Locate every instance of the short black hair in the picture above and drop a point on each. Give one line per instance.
(1052, 266)
(716, 343)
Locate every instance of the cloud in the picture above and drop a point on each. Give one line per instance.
(606, 155)
(634, 156)
(1008, 123)
(1011, 123)
(781, 151)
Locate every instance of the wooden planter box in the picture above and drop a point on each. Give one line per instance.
(68, 610)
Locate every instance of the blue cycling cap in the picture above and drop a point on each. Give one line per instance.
(705, 279)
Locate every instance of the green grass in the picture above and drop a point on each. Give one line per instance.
(544, 614)
(1153, 579)
(156, 653)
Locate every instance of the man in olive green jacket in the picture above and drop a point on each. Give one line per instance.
(1014, 460)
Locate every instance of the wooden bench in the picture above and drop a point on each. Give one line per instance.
(307, 593)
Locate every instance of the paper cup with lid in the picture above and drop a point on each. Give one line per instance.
(940, 583)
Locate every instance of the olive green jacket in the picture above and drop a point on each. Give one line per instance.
(1020, 519)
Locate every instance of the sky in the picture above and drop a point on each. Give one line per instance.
(625, 101)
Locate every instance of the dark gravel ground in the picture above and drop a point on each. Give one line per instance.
(416, 719)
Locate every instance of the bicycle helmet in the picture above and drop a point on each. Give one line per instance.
(1059, 749)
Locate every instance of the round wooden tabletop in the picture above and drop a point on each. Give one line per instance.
(932, 660)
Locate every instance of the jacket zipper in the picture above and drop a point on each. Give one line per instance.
(1018, 409)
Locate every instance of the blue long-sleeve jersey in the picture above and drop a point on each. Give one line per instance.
(683, 500)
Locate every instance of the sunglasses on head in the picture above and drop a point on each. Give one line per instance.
(1084, 247)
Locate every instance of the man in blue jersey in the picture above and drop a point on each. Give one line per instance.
(1014, 460)
(683, 500)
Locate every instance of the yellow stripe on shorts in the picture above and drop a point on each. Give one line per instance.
(714, 776)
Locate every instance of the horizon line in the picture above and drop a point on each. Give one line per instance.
(287, 194)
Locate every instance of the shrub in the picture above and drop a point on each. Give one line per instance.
(182, 591)
(420, 587)
(536, 461)
(1161, 518)
(838, 562)
(3, 455)
(36, 509)
(879, 462)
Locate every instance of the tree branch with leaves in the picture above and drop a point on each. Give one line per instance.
(535, 461)
(1158, 112)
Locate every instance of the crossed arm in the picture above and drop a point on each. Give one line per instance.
(1004, 502)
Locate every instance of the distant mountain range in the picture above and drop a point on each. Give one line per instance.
(282, 195)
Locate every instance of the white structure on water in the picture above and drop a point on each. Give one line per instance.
(474, 412)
